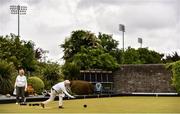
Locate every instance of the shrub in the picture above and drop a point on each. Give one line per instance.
(79, 87)
(37, 84)
(176, 75)
(7, 71)
(71, 70)
(51, 75)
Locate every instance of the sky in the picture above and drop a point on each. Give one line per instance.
(48, 22)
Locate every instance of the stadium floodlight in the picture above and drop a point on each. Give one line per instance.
(20, 10)
(140, 41)
(122, 28)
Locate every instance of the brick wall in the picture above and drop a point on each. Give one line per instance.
(142, 78)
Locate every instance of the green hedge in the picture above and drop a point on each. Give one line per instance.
(37, 84)
(176, 75)
(79, 87)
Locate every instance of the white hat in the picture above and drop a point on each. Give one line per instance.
(67, 82)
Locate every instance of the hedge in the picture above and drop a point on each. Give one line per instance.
(37, 84)
(80, 87)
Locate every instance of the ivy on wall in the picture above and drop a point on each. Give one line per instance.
(176, 75)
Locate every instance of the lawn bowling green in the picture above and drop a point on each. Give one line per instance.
(103, 105)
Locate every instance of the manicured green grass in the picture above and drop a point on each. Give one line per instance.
(103, 105)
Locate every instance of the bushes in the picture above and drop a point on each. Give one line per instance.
(79, 87)
(176, 75)
(37, 84)
(52, 75)
(71, 70)
(7, 71)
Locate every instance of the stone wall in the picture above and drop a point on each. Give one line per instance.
(142, 78)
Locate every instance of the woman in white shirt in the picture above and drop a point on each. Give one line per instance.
(21, 86)
(58, 89)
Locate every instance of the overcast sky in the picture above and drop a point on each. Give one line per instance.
(48, 22)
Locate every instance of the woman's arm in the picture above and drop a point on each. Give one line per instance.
(25, 83)
(15, 82)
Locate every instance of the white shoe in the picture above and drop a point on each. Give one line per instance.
(16, 102)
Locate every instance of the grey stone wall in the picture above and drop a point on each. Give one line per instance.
(142, 78)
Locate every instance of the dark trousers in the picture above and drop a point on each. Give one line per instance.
(20, 92)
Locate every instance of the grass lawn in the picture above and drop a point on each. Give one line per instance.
(103, 105)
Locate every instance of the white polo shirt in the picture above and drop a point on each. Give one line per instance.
(21, 81)
(60, 87)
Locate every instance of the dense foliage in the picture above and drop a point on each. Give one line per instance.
(90, 58)
(37, 84)
(176, 75)
(71, 70)
(171, 58)
(85, 51)
(7, 72)
(78, 38)
(20, 53)
(79, 87)
(51, 74)
(141, 56)
(82, 50)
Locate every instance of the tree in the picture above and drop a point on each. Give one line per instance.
(142, 56)
(149, 56)
(20, 53)
(89, 58)
(171, 58)
(7, 73)
(110, 46)
(39, 53)
(78, 38)
(71, 70)
(131, 56)
(51, 74)
(107, 42)
(84, 50)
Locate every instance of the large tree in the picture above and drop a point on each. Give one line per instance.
(142, 56)
(89, 58)
(131, 56)
(21, 53)
(88, 51)
(149, 56)
(77, 39)
(107, 42)
(85, 50)
(171, 58)
(110, 45)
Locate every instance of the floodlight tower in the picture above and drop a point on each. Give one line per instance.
(122, 28)
(140, 41)
(20, 10)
